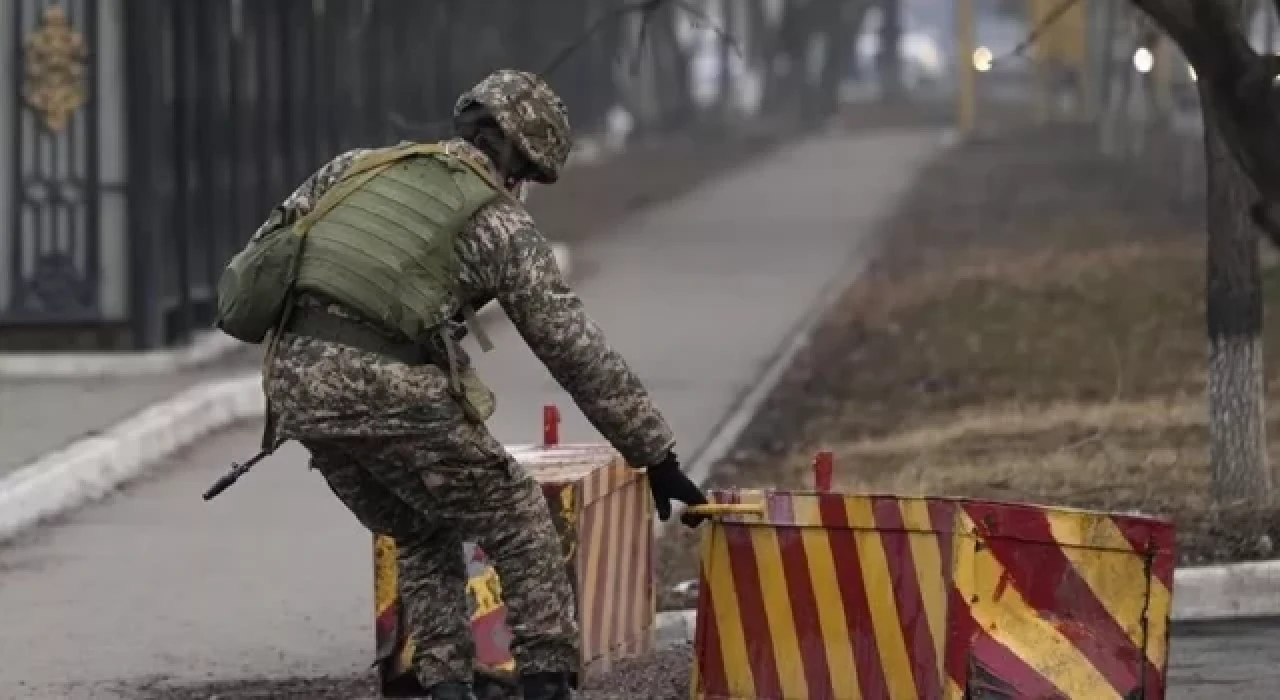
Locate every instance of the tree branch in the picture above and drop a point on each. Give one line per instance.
(1238, 88)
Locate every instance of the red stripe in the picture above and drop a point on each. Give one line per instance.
(1142, 535)
(992, 657)
(712, 679)
(1049, 583)
(780, 508)
(960, 631)
(385, 625)
(804, 610)
(853, 593)
(942, 517)
(755, 623)
(906, 588)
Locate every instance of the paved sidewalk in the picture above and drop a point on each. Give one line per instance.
(39, 416)
(701, 293)
(273, 578)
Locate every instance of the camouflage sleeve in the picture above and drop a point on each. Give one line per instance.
(520, 271)
(301, 201)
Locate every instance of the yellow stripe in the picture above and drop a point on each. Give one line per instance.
(928, 561)
(826, 592)
(777, 610)
(953, 691)
(384, 573)
(724, 597)
(1019, 628)
(591, 579)
(1118, 579)
(890, 641)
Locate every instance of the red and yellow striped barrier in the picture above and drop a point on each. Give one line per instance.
(602, 511)
(811, 595)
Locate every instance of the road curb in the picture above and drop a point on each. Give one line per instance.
(207, 348)
(93, 467)
(1226, 592)
(674, 627)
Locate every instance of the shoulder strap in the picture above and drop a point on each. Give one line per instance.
(362, 171)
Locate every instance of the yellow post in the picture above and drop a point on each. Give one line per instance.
(966, 97)
(1060, 50)
(1042, 54)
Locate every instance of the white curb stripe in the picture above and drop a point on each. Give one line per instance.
(1229, 591)
(91, 468)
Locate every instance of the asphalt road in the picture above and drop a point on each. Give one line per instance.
(273, 579)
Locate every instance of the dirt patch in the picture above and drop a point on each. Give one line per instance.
(1033, 330)
(660, 676)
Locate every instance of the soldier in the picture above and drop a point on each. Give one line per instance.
(367, 372)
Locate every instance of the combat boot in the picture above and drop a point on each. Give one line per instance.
(546, 686)
(450, 691)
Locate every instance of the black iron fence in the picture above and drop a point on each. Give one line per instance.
(149, 137)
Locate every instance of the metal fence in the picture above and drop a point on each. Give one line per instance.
(149, 137)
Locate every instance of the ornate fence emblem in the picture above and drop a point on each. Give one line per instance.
(55, 69)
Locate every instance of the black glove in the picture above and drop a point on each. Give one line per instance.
(668, 483)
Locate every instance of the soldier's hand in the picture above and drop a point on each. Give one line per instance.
(668, 483)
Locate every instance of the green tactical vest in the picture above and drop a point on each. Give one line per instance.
(380, 240)
(386, 249)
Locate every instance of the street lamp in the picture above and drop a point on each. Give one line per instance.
(982, 59)
(1143, 60)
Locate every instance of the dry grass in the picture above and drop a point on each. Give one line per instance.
(1035, 333)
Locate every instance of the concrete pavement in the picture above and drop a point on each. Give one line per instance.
(273, 579)
(1214, 660)
(41, 415)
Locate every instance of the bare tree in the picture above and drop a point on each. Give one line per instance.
(1240, 102)
(889, 58)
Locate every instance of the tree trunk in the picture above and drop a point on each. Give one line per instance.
(725, 90)
(678, 109)
(786, 71)
(1237, 426)
(841, 25)
(889, 59)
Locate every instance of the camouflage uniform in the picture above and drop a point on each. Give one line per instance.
(398, 450)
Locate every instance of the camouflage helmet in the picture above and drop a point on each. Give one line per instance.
(530, 114)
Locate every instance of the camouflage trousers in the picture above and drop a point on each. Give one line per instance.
(400, 487)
